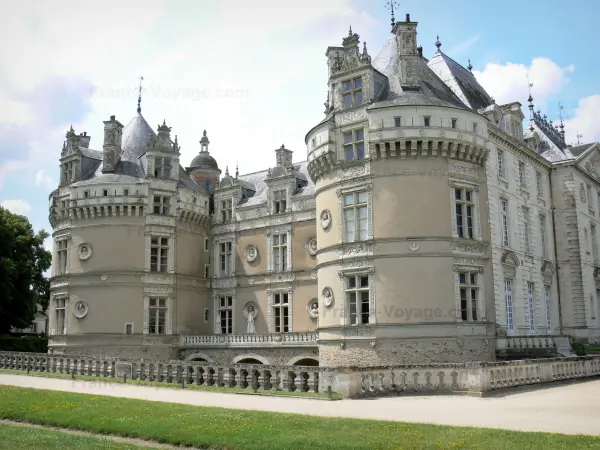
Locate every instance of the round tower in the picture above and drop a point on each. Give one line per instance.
(404, 275)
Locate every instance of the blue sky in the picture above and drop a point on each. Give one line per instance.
(253, 73)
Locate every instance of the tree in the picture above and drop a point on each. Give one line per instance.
(23, 260)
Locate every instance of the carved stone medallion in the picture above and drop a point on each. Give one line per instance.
(312, 307)
(251, 253)
(84, 251)
(327, 297)
(80, 309)
(250, 307)
(325, 219)
(311, 246)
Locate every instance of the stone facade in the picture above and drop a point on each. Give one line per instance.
(426, 226)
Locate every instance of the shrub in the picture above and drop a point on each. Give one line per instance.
(30, 343)
(578, 348)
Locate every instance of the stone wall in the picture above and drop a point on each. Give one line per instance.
(405, 351)
(275, 356)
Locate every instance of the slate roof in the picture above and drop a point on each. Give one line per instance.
(460, 80)
(433, 90)
(132, 167)
(256, 182)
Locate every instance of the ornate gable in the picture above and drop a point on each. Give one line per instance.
(348, 57)
(591, 163)
(510, 262)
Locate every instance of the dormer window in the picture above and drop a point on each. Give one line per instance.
(397, 122)
(226, 210)
(352, 92)
(125, 192)
(86, 194)
(161, 205)
(453, 124)
(279, 202)
(105, 192)
(162, 167)
(426, 120)
(354, 145)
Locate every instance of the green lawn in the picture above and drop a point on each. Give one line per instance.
(172, 385)
(233, 429)
(16, 437)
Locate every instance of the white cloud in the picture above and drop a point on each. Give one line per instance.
(584, 121)
(508, 82)
(463, 48)
(17, 206)
(44, 180)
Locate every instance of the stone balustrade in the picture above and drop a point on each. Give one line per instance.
(532, 345)
(297, 339)
(471, 378)
(244, 376)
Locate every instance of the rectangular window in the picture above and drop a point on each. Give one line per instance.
(501, 165)
(280, 248)
(62, 256)
(60, 311)
(589, 197)
(161, 205)
(225, 258)
(225, 314)
(543, 235)
(539, 184)
(226, 210)
(354, 145)
(474, 127)
(453, 123)
(352, 92)
(522, 175)
(464, 212)
(357, 296)
(206, 244)
(281, 316)
(157, 315)
(86, 194)
(105, 192)
(469, 291)
(426, 121)
(162, 167)
(279, 201)
(397, 122)
(128, 328)
(504, 214)
(548, 309)
(206, 315)
(159, 254)
(206, 271)
(356, 216)
(508, 297)
(530, 305)
(594, 242)
(526, 231)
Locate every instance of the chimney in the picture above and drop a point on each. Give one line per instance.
(111, 150)
(408, 53)
(84, 140)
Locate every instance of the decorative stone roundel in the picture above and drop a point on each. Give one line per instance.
(325, 219)
(250, 307)
(311, 246)
(327, 297)
(312, 307)
(84, 251)
(80, 309)
(251, 253)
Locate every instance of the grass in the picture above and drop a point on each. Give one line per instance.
(171, 385)
(229, 429)
(17, 437)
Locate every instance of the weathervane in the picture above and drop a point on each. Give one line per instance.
(390, 5)
(139, 108)
(530, 100)
(579, 136)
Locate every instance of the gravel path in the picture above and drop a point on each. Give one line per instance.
(569, 409)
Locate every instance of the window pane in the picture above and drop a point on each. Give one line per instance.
(463, 304)
(364, 281)
(347, 100)
(357, 83)
(348, 199)
(468, 195)
(351, 282)
(360, 135)
(347, 85)
(458, 194)
(360, 151)
(347, 138)
(358, 98)
(362, 197)
(462, 278)
(349, 153)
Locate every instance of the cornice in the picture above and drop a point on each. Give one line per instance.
(500, 137)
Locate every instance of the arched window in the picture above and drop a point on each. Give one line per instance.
(207, 186)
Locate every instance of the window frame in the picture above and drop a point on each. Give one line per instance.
(522, 175)
(163, 167)
(158, 266)
(63, 301)
(352, 92)
(505, 221)
(278, 308)
(530, 305)
(464, 204)
(509, 304)
(228, 309)
(357, 290)
(279, 202)
(62, 255)
(287, 230)
(501, 164)
(356, 207)
(161, 204)
(543, 236)
(539, 184)
(548, 305)
(225, 255)
(226, 209)
(288, 290)
(354, 144)
(149, 308)
(469, 286)
(525, 212)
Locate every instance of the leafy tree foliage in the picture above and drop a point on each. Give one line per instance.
(23, 260)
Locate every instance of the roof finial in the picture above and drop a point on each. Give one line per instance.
(579, 136)
(226, 171)
(350, 32)
(390, 6)
(237, 172)
(139, 108)
(530, 100)
(438, 44)
(470, 66)
(562, 125)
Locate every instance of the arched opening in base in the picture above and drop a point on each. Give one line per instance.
(198, 360)
(249, 361)
(307, 362)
